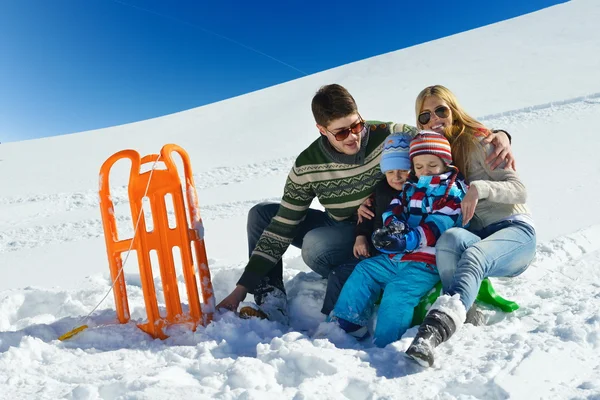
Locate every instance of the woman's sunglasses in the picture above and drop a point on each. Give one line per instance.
(441, 111)
(355, 128)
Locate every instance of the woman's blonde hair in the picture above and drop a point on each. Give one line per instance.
(462, 133)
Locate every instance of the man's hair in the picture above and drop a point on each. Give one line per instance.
(332, 102)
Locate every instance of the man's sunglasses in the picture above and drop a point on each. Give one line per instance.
(441, 111)
(355, 128)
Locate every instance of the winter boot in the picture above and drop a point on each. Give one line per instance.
(248, 312)
(475, 316)
(271, 304)
(446, 315)
(352, 329)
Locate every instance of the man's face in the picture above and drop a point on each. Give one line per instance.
(349, 145)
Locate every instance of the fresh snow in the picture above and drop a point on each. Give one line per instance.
(535, 76)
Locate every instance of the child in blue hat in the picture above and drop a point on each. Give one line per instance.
(428, 205)
(395, 164)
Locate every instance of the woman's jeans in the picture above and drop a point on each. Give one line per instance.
(464, 259)
(325, 243)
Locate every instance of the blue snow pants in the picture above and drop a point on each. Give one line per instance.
(405, 282)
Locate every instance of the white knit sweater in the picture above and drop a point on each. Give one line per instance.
(502, 194)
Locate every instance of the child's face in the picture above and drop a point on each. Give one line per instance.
(396, 178)
(427, 165)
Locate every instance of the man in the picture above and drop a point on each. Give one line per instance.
(341, 169)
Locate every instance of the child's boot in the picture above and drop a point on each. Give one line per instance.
(359, 332)
(352, 329)
(446, 315)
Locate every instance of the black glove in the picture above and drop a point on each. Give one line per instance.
(381, 238)
(390, 239)
(396, 226)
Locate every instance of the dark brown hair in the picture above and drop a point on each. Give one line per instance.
(332, 102)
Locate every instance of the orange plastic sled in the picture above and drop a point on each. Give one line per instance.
(161, 238)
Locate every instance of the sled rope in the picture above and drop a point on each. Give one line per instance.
(80, 328)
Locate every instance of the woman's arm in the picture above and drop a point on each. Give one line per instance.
(505, 188)
(498, 185)
(502, 152)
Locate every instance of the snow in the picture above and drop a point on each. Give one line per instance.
(535, 76)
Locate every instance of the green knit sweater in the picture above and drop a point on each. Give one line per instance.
(341, 183)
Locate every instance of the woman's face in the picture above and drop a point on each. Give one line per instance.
(440, 115)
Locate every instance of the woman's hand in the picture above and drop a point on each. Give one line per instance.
(234, 299)
(364, 211)
(469, 203)
(361, 247)
(502, 151)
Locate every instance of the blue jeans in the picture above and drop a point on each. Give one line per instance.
(325, 243)
(464, 259)
(405, 282)
(335, 282)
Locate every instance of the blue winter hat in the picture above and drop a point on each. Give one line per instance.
(395, 153)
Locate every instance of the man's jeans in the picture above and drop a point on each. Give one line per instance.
(464, 259)
(325, 243)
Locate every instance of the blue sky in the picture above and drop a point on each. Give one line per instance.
(74, 65)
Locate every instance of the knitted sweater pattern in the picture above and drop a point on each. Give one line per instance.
(340, 182)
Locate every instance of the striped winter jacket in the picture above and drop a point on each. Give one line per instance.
(428, 206)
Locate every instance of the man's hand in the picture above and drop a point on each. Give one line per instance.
(361, 247)
(234, 299)
(364, 211)
(502, 151)
(468, 204)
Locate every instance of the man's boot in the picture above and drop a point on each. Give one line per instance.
(271, 304)
(445, 316)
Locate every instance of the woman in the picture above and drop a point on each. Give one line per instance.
(500, 240)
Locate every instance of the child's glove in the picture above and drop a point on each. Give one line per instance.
(396, 226)
(396, 238)
(388, 240)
